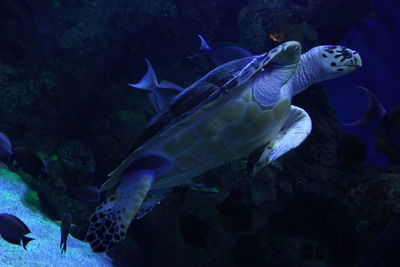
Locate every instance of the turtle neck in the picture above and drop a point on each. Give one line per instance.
(307, 73)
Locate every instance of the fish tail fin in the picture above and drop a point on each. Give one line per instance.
(204, 48)
(63, 248)
(25, 241)
(164, 94)
(160, 94)
(374, 112)
(148, 81)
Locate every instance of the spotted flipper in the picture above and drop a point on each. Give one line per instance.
(110, 221)
(296, 128)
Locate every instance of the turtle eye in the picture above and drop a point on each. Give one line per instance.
(346, 53)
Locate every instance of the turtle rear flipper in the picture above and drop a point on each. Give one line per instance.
(110, 221)
(294, 131)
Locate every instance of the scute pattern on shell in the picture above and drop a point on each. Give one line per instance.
(202, 92)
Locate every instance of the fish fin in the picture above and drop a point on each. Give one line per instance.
(148, 81)
(153, 101)
(204, 48)
(225, 52)
(160, 94)
(63, 247)
(164, 94)
(170, 85)
(25, 241)
(296, 128)
(6, 145)
(374, 113)
(110, 221)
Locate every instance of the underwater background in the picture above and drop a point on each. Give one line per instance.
(64, 95)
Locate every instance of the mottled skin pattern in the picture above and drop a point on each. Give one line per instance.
(235, 109)
(107, 228)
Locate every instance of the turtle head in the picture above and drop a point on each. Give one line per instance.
(335, 60)
(323, 63)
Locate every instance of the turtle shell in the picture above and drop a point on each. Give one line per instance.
(206, 92)
(207, 89)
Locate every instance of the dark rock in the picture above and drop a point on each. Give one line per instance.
(77, 161)
(64, 71)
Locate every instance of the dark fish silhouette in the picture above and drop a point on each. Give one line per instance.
(84, 193)
(29, 162)
(221, 52)
(388, 131)
(5, 148)
(375, 111)
(13, 230)
(160, 93)
(65, 228)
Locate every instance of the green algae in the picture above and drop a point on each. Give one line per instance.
(30, 197)
(31, 200)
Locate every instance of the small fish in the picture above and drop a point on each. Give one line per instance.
(13, 230)
(29, 162)
(388, 131)
(375, 111)
(84, 193)
(221, 52)
(160, 93)
(5, 148)
(65, 228)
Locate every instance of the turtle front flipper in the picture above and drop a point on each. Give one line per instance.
(296, 128)
(110, 221)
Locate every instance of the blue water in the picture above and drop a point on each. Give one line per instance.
(377, 40)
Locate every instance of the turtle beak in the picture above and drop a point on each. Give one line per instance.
(353, 63)
(357, 60)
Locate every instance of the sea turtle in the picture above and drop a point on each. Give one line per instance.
(231, 111)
